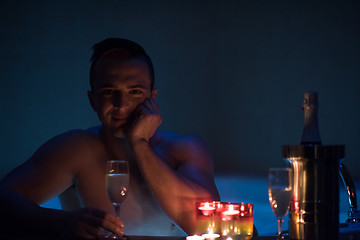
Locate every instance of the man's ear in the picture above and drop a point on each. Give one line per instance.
(154, 93)
(91, 99)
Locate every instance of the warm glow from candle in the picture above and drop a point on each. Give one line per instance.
(211, 235)
(231, 211)
(206, 209)
(237, 221)
(195, 237)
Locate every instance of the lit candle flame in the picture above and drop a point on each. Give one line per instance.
(231, 211)
(206, 209)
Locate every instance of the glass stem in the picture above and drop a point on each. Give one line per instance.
(117, 207)
(280, 226)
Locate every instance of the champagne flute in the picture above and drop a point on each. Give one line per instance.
(117, 185)
(279, 194)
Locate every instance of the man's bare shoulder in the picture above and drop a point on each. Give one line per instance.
(177, 140)
(70, 146)
(79, 134)
(75, 138)
(182, 146)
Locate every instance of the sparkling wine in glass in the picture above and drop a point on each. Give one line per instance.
(117, 185)
(279, 194)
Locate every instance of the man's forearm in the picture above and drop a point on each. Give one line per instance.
(21, 215)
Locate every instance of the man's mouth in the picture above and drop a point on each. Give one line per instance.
(119, 119)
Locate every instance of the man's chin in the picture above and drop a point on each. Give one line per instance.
(118, 133)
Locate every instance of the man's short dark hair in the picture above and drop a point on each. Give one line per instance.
(133, 50)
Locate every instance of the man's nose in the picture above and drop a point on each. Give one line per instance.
(120, 100)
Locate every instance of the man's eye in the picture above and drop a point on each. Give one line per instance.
(135, 92)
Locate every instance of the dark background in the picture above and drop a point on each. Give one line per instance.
(232, 72)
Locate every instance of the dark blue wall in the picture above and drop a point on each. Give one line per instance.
(233, 72)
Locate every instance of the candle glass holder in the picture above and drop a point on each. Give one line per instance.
(208, 219)
(237, 220)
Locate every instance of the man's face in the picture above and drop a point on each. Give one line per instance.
(120, 85)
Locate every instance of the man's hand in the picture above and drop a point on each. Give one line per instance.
(147, 119)
(87, 223)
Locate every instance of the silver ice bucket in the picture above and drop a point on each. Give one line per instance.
(314, 204)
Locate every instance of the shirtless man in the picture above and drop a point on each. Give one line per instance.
(168, 172)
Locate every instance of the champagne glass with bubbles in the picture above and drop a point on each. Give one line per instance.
(279, 194)
(117, 185)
